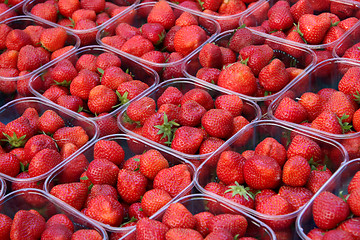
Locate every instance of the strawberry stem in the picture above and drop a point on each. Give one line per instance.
(167, 130)
(15, 141)
(345, 126)
(241, 190)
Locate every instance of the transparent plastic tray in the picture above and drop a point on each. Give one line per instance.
(15, 109)
(197, 203)
(249, 137)
(47, 206)
(15, 10)
(132, 146)
(252, 112)
(140, 71)
(337, 184)
(2, 188)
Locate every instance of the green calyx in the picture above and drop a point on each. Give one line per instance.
(15, 141)
(241, 190)
(345, 126)
(123, 99)
(167, 129)
(357, 95)
(133, 219)
(63, 83)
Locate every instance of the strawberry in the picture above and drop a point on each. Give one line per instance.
(341, 105)
(56, 231)
(74, 194)
(4, 30)
(97, 6)
(351, 225)
(86, 234)
(333, 34)
(171, 110)
(218, 123)
(153, 200)
(296, 171)
(9, 59)
(354, 183)
(291, 111)
(337, 234)
(53, 39)
(131, 185)
(209, 145)
(170, 95)
(230, 167)
(151, 162)
(296, 196)
(231, 103)
(280, 18)
(76, 135)
(235, 224)
(173, 71)
(156, 57)
(44, 161)
(113, 76)
(5, 226)
(155, 32)
(46, 10)
(146, 227)
(316, 234)
(82, 14)
(90, 36)
(313, 103)
(10, 164)
(202, 221)
(329, 210)
(328, 122)
(109, 150)
(106, 60)
(129, 90)
(304, 147)
(126, 31)
(221, 234)
(242, 37)
(349, 81)
(272, 148)
(179, 233)
(49, 122)
(29, 59)
(86, 61)
(212, 5)
(188, 38)
(102, 171)
(239, 78)
(300, 8)
(82, 85)
(27, 224)
(178, 216)
(73, 103)
(187, 140)
(191, 113)
(240, 195)
(18, 131)
(186, 19)
(54, 92)
(68, 7)
(232, 7)
(209, 56)
(105, 209)
(37, 143)
(256, 57)
(137, 46)
(16, 39)
(199, 95)
(313, 28)
(273, 77)
(173, 180)
(103, 190)
(135, 212)
(209, 75)
(162, 13)
(261, 172)
(63, 72)
(102, 99)
(263, 195)
(141, 109)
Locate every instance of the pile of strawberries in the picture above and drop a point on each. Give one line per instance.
(26, 50)
(337, 216)
(83, 16)
(190, 121)
(5, 7)
(116, 190)
(248, 63)
(178, 222)
(30, 224)
(306, 21)
(328, 110)
(159, 34)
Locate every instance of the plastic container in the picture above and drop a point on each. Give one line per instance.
(247, 139)
(251, 111)
(15, 109)
(2, 188)
(349, 39)
(305, 60)
(47, 206)
(197, 203)
(258, 15)
(326, 74)
(13, 11)
(337, 184)
(87, 36)
(132, 146)
(138, 16)
(140, 72)
(8, 84)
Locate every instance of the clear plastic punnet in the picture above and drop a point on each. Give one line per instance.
(134, 70)
(332, 153)
(133, 147)
(343, 15)
(15, 109)
(3, 188)
(9, 85)
(297, 60)
(338, 185)
(47, 206)
(251, 112)
(197, 203)
(86, 34)
(137, 17)
(12, 10)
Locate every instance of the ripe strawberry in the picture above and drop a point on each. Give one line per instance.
(146, 227)
(10, 164)
(46, 10)
(162, 13)
(354, 183)
(102, 171)
(86, 61)
(202, 221)
(73, 103)
(341, 105)
(256, 57)
(63, 72)
(129, 90)
(179, 233)
(209, 56)
(296, 196)
(109, 150)
(187, 139)
(280, 18)
(155, 32)
(296, 171)
(132, 163)
(4, 30)
(178, 216)
(151, 162)
(135, 212)
(68, 7)
(230, 167)
(27, 224)
(261, 172)
(191, 113)
(173, 180)
(318, 177)
(18, 131)
(240, 195)
(113, 76)
(57, 231)
(126, 31)
(141, 109)
(351, 225)
(171, 110)
(209, 75)
(37, 143)
(272, 148)
(314, 27)
(300, 8)
(290, 110)
(86, 234)
(328, 121)
(170, 95)
(153, 200)
(97, 6)
(337, 234)
(173, 71)
(74, 194)
(188, 38)
(329, 210)
(186, 19)
(131, 185)
(218, 123)
(304, 147)
(76, 135)
(82, 85)
(82, 14)
(352, 201)
(90, 36)
(5, 226)
(137, 46)
(102, 99)
(273, 77)
(235, 224)
(238, 78)
(44, 161)
(209, 145)
(199, 95)
(9, 59)
(231, 103)
(49, 122)
(53, 39)
(106, 60)
(16, 39)
(221, 234)
(29, 59)
(313, 103)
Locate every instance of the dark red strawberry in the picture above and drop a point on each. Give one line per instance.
(187, 140)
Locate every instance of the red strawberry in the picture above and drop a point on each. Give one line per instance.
(261, 172)
(46, 10)
(75, 135)
(67, 7)
(351, 225)
(232, 7)
(191, 113)
(209, 145)
(151, 162)
(170, 95)
(178, 216)
(340, 104)
(141, 109)
(162, 13)
(89, 36)
(256, 57)
(27, 225)
(49, 122)
(313, 103)
(240, 195)
(126, 31)
(235, 224)
(328, 122)
(18, 131)
(296, 196)
(280, 18)
(86, 234)
(209, 75)
(82, 14)
(242, 37)
(137, 46)
(86, 61)
(81, 85)
(272, 148)
(131, 185)
(186, 19)
(109, 150)
(102, 99)
(169, 39)
(136, 212)
(291, 111)
(329, 210)
(37, 143)
(218, 123)
(300, 8)
(155, 32)
(318, 177)
(173, 180)
(74, 194)
(103, 190)
(106, 60)
(187, 140)
(73, 103)
(113, 76)
(105, 209)
(316, 234)
(186, 233)
(337, 234)
(97, 5)
(63, 72)
(353, 203)
(102, 171)
(296, 171)
(10, 164)
(146, 227)
(155, 57)
(5, 226)
(221, 234)
(188, 38)
(44, 161)
(199, 95)
(57, 231)
(304, 147)
(202, 221)
(230, 167)
(4, 30)
(313, 28)
(231, 103)
(173, 71)
(171, 110)
(53, 39)
(153, 200)
(209, 56)
(354, 183)
(273, 77)
(16, 39)
(9, 59)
